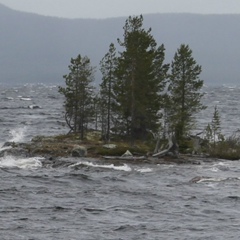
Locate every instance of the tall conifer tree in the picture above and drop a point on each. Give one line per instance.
(141, 77)
(108, 68)
(78, 94)
(184, 92)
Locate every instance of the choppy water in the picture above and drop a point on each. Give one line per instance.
(89, 200)
(30, 110)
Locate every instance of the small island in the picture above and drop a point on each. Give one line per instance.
(143, 111)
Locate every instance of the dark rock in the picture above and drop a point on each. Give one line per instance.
(14, 152)
(79, 151)
(9, 144)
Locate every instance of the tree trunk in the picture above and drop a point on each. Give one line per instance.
(172, 149)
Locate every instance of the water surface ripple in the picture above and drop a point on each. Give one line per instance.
(83, 200)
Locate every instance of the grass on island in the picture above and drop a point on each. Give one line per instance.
(228, 149)
(62, 145)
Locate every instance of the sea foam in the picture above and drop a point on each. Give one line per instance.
(123, 167)
(23, 163)
(17, 134)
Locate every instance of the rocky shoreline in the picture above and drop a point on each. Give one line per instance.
(48, 147)
(54, 149)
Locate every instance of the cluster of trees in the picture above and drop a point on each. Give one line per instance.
(139, 92)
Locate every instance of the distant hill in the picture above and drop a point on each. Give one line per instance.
(36, 48)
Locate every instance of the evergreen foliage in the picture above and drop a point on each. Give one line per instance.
(213, 130)
(137, 94)
(108, 68)
(78, 95)
(184, 92)
(141, 77)
(216, 125)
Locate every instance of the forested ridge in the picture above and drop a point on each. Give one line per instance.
(37, 48)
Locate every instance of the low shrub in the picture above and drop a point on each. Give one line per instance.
(226, 149)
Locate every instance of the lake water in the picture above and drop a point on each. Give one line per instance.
(88, 199)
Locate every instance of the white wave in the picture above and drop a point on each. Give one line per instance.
(4, 148)
(23, 163)
(25, 99)
(221, 166)
(18, 134)
(9, 98)
(230, 86)
(214, 169)
(34, 106)
(211, 180)
(144, 170)
(124, 167)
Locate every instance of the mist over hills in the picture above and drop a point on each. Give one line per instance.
(37, 49)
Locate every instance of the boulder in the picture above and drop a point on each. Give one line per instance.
(14, 152)
(79, 151)
(10, 144)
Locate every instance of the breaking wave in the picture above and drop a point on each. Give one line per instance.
(23, 163)
(124, 167)
(18, 134)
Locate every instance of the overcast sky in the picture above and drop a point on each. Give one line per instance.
(116, 8)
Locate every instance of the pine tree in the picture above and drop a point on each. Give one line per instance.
(184, 92)
(213, 130)
(141, 77)
(216, 126)
(78, 95)
(107, 67)
(208, 133)
(97, 110)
